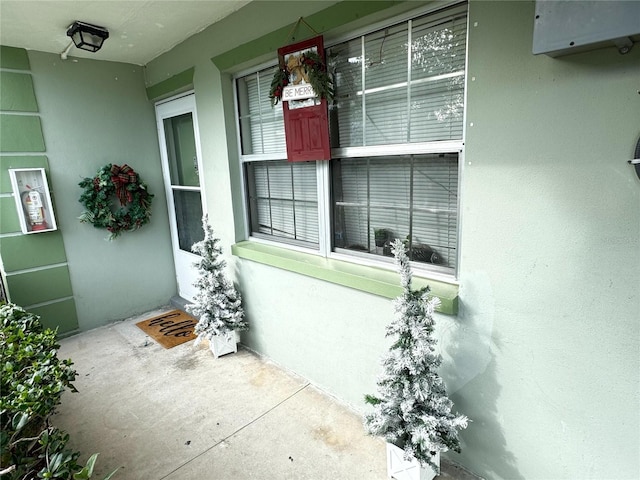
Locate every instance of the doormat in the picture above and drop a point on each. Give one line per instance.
(170, 329)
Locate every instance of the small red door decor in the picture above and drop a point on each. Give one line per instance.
(303, 85)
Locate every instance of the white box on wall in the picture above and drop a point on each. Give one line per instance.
(33, 200)
(562, 27)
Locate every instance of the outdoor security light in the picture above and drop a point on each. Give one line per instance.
(86, 36)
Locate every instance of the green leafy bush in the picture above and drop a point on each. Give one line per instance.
(33, 380)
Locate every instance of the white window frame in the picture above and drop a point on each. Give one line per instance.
(421, 268)
(325, 228)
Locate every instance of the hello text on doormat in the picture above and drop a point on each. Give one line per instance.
(170, 329)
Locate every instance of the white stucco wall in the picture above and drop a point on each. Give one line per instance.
(544, 353)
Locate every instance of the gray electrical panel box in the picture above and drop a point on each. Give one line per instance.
(569, 26)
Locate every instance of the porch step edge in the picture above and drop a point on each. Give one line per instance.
(179, 303)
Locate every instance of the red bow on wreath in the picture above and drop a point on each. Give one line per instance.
(121, 176)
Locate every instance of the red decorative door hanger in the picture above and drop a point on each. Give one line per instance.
(304, 91)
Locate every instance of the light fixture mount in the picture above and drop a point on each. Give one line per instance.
(86, 36)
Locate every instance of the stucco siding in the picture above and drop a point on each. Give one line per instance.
(97, 113)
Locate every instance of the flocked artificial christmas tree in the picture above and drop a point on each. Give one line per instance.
(411, 409)
(217, 305)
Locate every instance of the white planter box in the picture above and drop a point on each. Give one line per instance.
(223, 344)
(401, 469)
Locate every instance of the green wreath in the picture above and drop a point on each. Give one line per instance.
(316, 71)
(133, 195)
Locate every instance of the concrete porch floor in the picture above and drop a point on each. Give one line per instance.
(180, 414)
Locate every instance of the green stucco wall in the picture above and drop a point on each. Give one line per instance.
(94, 113)
(543, 354)
(549, 343)
(34, 266)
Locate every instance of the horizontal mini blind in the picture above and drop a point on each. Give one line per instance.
(413, 197)
(438, 50)
(385, 96)
(261, 125)
(401, 84)
(345, 60)
(283, 200)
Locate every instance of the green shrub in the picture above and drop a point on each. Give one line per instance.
(33, 380)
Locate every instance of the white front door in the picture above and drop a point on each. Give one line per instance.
(181, 167)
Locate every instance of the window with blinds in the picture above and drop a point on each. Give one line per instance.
(412, 197)
(402, 84)
(261, 125)
(282, 197)
(283, 201)
(400, 88)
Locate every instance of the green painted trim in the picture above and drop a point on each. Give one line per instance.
(26, 161)
(21, 133)
(12, 57)
(37, 286)
(322, 21)
(179, 82)
(61, 315)
(31, 251)
(9, 221)
(373, 280)
(16, 92)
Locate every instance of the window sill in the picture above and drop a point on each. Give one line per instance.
(373, 280)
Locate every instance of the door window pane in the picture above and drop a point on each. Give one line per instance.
(181, 149)
(188, 209)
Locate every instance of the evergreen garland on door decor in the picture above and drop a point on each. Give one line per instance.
(133, 195)
(314, 71)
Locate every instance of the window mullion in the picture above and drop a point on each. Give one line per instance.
(364, 95)
(269, 197)
(409, 51)
(368, 203)
(260, 114)
(293, 203)
(410, 238)
(324, 208)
